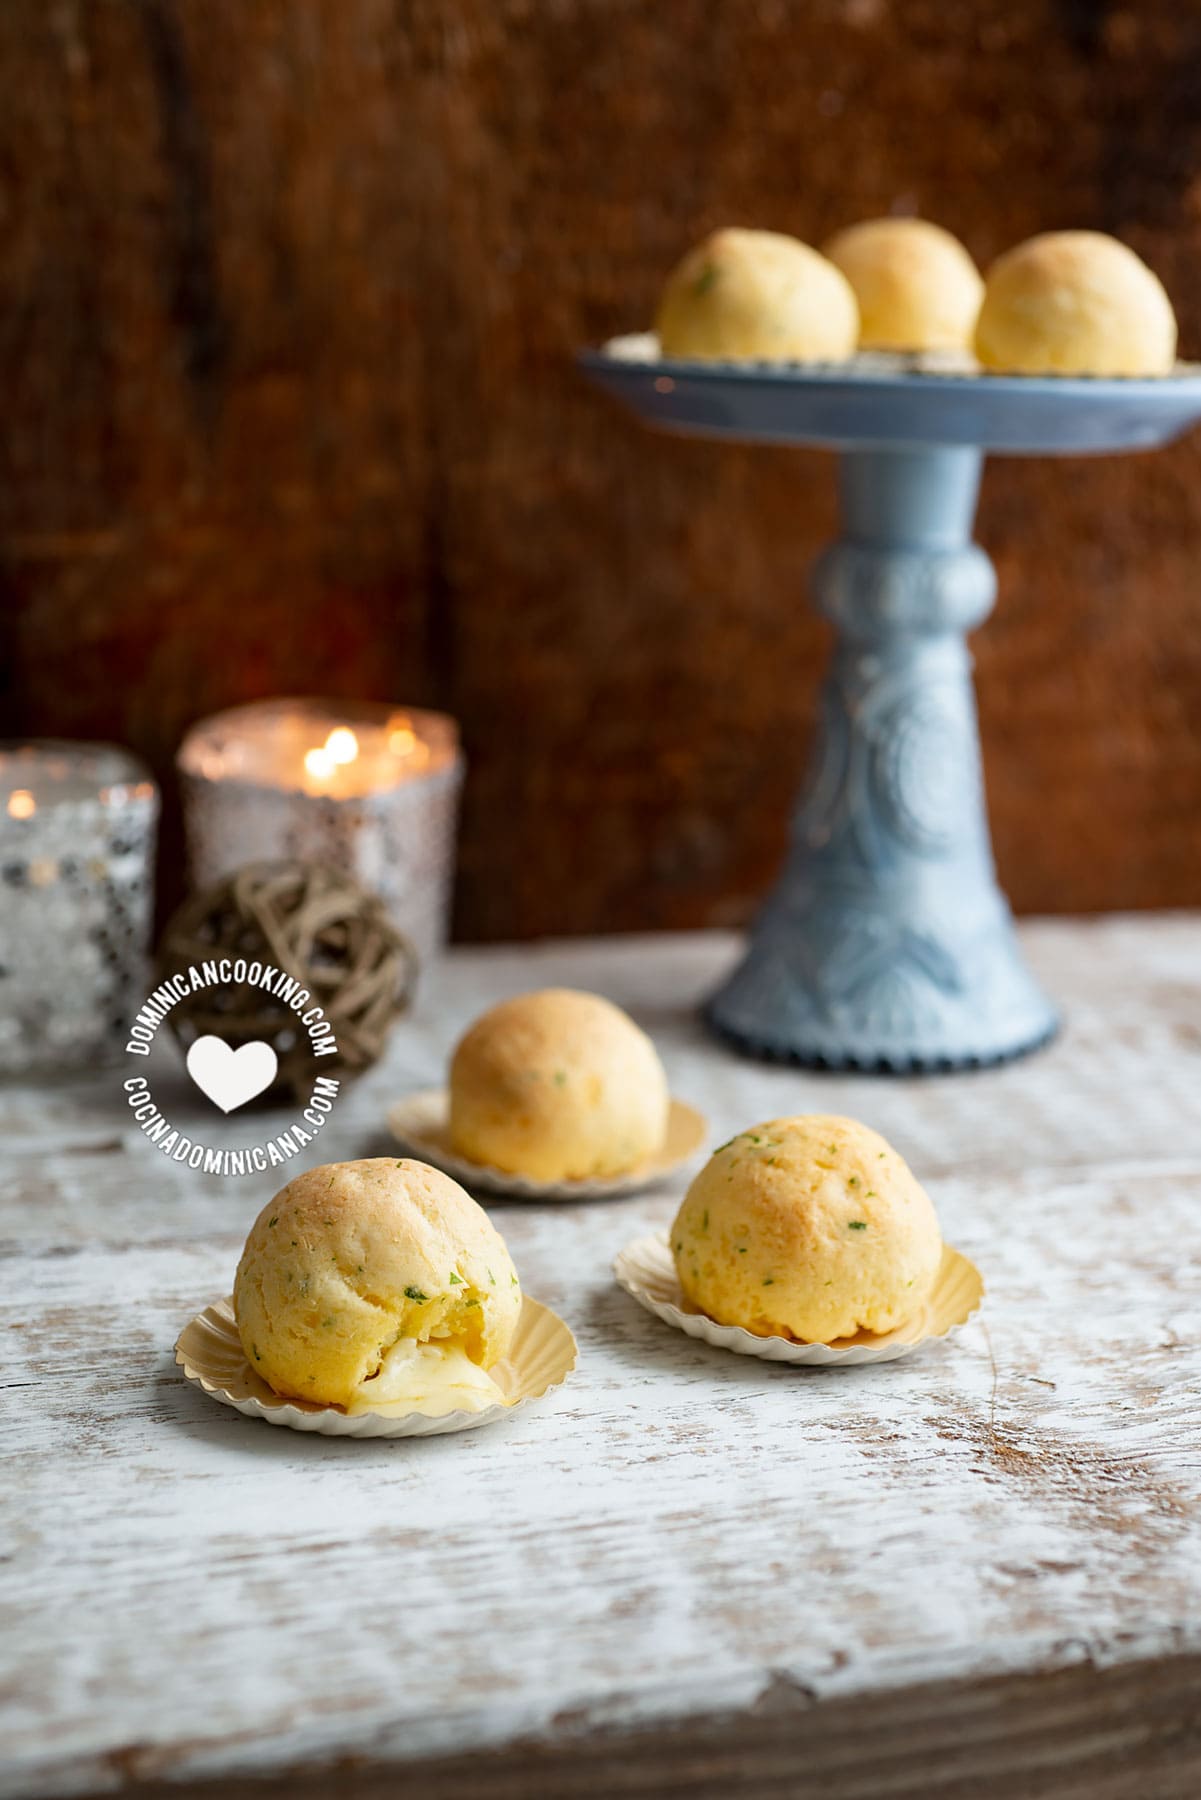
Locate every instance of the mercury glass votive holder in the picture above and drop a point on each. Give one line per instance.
(77, 834)
(370, 789)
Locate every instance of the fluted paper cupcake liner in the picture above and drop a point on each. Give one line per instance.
(419, 1123)
(210, 1354)
(646, 1271)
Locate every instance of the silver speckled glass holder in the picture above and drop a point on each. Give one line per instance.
(77, 834)
(387, 817)
(887, 943)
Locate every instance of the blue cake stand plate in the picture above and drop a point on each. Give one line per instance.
(887, 943)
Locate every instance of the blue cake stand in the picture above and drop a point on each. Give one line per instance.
(887, 943)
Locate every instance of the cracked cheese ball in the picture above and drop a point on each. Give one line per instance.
(557, 1085)
(377, 1284)
(917, 287)
(1075, 303)
(811, 1228)
(757, 294)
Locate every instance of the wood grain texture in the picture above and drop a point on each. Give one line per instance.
(288, 300)
(1131, 1730)
(974, 1572)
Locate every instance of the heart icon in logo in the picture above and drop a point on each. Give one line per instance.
(229, 1078)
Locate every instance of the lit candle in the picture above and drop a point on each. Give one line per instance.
(77, 828)
(368, 788)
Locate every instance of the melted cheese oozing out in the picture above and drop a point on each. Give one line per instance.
(428, 1378)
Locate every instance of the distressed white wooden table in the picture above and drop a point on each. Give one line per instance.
(974, 1572)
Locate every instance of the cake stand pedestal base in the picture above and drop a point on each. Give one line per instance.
(887, 944)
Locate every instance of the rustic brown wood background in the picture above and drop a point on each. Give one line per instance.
(289, 291)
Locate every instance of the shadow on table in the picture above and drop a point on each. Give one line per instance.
(189, 1411)
(641, 1342)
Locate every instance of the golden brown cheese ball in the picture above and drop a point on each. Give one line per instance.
(377, 1282)
(557, 1085)
(811, 1228)
(757, 294)
(917, 287)
(1075, 303)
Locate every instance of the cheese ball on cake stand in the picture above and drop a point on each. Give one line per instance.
(1075, 303)
(757, 294)
(557, 1085)
(810, 1228)
(887, 943)
(916, 285)
(377, 1284)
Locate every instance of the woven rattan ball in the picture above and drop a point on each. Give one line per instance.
(316, 926)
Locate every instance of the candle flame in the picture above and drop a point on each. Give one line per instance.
(401, 740)
(21, 804)
(341, 746)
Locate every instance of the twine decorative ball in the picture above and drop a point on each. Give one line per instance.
(317, 927)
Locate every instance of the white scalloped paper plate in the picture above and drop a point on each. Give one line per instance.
(644, 347)
(646, 1271)
(210, 1354)
(419, 1123)
(953, 365)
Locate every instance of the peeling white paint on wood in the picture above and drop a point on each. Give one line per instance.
(185, 1593)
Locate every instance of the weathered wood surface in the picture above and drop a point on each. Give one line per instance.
(289, 294)
(686, 1571)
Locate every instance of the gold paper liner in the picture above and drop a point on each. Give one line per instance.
(210, 1353)
(419, 1123)
(646, 1271)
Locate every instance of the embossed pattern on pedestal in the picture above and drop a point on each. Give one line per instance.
(887, 943)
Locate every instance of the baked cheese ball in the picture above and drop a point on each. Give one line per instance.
(377, 1285)
(810, 1228)
(557, 1085)
(916, 285)
(757, 294)
(1075, 303)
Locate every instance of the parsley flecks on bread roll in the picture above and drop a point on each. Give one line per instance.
(917, 287)
(757, 294)
(377, 1283)
(811, 1227)
(557, 1085)
(1075, 303)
